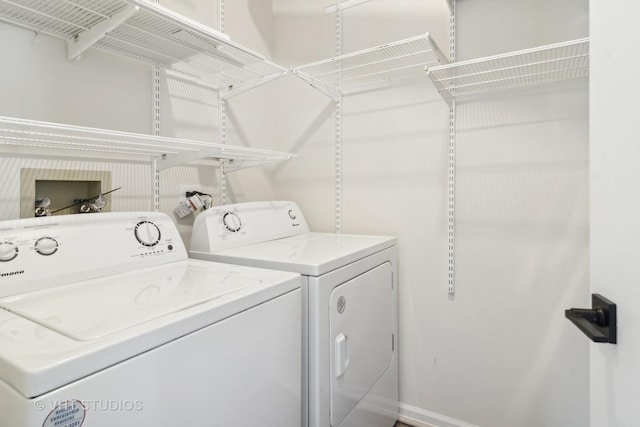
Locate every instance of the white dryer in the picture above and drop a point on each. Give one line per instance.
(105, 321)
(349, 305)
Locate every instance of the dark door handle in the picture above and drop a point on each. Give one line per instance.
(599, 322)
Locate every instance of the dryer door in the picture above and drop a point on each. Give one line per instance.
(361, 326)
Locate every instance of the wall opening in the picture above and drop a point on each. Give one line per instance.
(63, 188)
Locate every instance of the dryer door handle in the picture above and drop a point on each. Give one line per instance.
(341, 359)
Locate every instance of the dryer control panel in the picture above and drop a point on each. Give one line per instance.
(230, 226)
(43, 252)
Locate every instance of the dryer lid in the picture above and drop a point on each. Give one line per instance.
(312, 254)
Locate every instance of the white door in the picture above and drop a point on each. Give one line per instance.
(361, 325)
(615, 206)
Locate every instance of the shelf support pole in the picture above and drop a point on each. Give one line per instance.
(344, 4)
(155, 126)
(338, 124)
(451, 178)
(156, 132)
(222, 114)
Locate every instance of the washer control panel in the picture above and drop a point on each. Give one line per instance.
(241, 224)
(46, 245)
(37, 253)
(8, 251)
(231, 221)
(147, 233)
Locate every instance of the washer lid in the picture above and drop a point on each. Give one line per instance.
(312, 254)
(52, 337)
(93, 309)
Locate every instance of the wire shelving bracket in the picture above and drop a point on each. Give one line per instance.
(60, 139)
(372, 68)
(528, 67)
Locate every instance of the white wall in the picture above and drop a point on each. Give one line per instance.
(498, 355)
(100, 90)
(192, 111)
(105, 91)
(501, 353)
(522, 233)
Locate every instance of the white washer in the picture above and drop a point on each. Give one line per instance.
(105, 321)
(349, 305)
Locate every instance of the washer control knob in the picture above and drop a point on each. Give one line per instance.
(8, 251)
(292, 214)
(147, 233)
(232, 222)
(46, 246)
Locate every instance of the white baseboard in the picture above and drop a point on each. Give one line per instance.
(419, 417)
(413, 422)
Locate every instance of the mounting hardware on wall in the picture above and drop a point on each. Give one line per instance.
(43, 191)
(599, 322)
(195, 200)
(91, 205)
(42, 207)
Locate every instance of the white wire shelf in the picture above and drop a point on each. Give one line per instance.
(545, 64)
(45, 137)
(372, 68)
(145, 32)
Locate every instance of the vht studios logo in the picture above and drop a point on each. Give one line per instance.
(12, 273)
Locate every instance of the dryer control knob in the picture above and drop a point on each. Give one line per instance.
(8, 251)
(232, 222)
(147, 233)
(292, 214)
(46, 246)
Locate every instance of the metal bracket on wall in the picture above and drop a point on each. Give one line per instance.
(87, 38)
(222, 117)
(155, 125)
(599, 322)
(345, 4)
(451, 164)
(338, 124)
(222, 108)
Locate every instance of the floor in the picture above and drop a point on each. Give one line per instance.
(399, 424)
